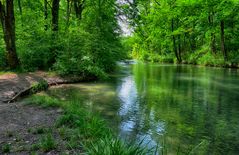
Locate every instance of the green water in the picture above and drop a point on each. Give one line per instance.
(177, 109)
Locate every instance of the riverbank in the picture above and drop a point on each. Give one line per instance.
(13, 85)
(45, 125)
(200, 58)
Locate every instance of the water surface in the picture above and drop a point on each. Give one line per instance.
(177, 109)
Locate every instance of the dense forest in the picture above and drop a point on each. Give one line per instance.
(185, 31)
(71, 36)
(84, 37)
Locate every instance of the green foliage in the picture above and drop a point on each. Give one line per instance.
(127, 43)
(211, 60)
(2, 59)
(88, 46)
(39, 86)
(110, 146)
(188, 30)
(47, 143)
(35, 50)
(76, 56)
(43, 101)
(6, 148)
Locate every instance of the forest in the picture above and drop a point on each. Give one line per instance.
(71, 36)
(84, 37)
(203, 32)
(119, 77)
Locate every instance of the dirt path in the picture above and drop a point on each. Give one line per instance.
(17, 119)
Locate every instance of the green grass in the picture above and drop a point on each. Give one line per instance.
(2, 72)
(42, 101)
(82, 130)
(6, 148)
(47, 143)
(112, 146)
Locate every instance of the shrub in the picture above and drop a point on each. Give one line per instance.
(87, 55)
(40, 86)
(36, 51)
(2, 55)
(2, 59)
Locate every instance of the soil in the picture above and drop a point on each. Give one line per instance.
(17, 119)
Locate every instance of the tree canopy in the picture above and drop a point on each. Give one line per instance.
(70, 36)
(189, 31)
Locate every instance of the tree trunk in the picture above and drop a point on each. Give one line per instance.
(223, 41)
(19, 6)
(174, 42)
(45, 15)
(79, 8)
(67, 14)
(55, 15)
(179, 49)
(213, 39)
(8, 25)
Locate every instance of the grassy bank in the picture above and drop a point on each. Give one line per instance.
(78, 131)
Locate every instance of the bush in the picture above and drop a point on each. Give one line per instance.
(35, 50)
(2, 59)
(76, 57)
(87, 54)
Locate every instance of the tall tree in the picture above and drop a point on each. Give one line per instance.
(223, 40)
(45, 14)
(79, 6)
(8, 25)
(55, 14)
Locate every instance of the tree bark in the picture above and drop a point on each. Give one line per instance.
(8, 25)
(79, 6)
(174, 42)
(55, 15)
(223, 41)
(45, 15)
(213, 39)
(179, 49)
(19, 6)
(68, 12)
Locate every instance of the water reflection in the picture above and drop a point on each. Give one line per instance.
(183, 109)
(132, 122)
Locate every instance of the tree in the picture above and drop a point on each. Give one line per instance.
(79, 6)
(55, 15)
(191, 31)
(8, 25)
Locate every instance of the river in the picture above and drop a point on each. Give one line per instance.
(178, 109)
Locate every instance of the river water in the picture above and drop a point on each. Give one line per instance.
(178, 109)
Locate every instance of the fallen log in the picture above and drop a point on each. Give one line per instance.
(48, 83)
